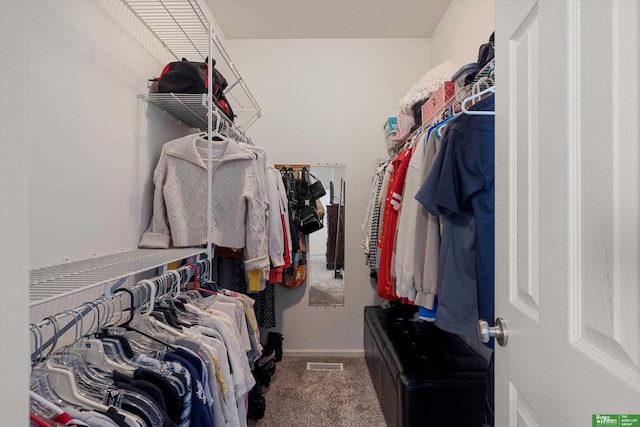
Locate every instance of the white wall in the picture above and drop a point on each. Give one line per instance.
(14, 230)
(325, 101)
(78, 151)
(464, 27)
(93, 143)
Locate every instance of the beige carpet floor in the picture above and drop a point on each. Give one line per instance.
(298, 397)
(324, 288)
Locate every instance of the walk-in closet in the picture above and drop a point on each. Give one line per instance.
(319, 213)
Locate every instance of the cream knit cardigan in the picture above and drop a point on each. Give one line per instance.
(239, 209)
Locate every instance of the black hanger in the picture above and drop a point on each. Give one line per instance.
(131, 308)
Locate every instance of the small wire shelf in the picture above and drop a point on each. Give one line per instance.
(188, 108)
(192, 110)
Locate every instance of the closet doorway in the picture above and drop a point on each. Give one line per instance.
(325, 264)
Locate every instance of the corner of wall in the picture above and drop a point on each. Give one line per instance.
(463, 28)
(214, 24)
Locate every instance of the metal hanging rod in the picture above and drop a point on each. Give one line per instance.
(103, 311)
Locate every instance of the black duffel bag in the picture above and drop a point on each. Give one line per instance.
(191, 77)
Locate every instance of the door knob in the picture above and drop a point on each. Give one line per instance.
(499, 331)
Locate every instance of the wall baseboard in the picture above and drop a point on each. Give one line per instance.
(332, 352)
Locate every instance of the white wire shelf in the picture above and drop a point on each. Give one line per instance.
(482, 74)
(191, 109)
(183, 29)
(188, 108)
(63, 280)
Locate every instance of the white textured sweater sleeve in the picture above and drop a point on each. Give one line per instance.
(256, 247)
(275, 230)
(263, 174)
(158, 234)
(407, 231)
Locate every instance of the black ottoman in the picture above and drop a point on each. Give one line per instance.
(423, 376)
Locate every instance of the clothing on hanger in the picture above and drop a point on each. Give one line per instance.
(392, 206)
(177, 378)
(180, 200)
(460, 188)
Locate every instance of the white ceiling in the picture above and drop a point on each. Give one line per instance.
(311, 19)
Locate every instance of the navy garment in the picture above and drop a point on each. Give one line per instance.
(200, 367)
(173, 400)
(200, 411)
(228, 276)
(195, 361)
(460, 188)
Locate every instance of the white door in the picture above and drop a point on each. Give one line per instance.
(568, 211)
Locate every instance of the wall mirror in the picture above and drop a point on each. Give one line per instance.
(325, 263)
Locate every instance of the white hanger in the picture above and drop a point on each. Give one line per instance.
(64, 384)
(79, 326)
(152, 287)
(477, 96)
(44, 402)
(152, 296)
(94, 353)
(37, 345)
(218, 120)
(63, 381)
(189, 271)
(110, 303)
(178, 281)
(121, 312)
(51, 406)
